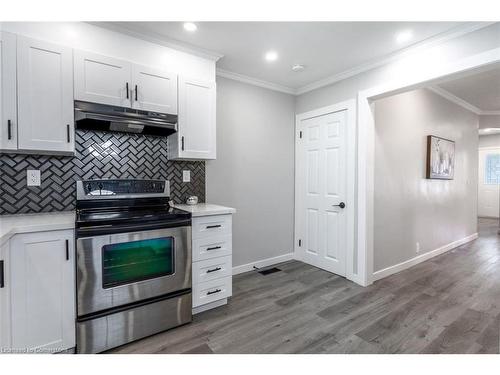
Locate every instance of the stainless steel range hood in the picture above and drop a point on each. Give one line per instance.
(92, 116)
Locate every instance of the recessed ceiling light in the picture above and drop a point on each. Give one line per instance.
(404, 36)
(189, 26)
(298, 67)
(271, 56)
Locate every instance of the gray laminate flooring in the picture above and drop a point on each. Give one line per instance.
(449, 304)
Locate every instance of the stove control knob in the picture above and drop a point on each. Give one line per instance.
(89, 188)
(100, 186)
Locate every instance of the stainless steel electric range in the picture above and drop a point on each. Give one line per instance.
(133, 262)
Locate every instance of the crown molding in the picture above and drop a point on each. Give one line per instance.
(455, 99)
(155, 38)
(462, 103)
(424, 44)
(255, 81)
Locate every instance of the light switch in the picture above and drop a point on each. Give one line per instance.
(33, 177)
(186, 176)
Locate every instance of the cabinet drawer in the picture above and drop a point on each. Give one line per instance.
(212, 247)
(212, 269)
(212, 291)
(207, 226)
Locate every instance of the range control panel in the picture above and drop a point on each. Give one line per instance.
(117, 187)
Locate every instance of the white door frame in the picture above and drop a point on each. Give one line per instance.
(424, 76)
(350, 107)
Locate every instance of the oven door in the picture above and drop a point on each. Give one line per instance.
(120, 269)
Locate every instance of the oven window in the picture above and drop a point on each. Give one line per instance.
(128, 262)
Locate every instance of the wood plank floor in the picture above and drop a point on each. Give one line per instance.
(449, 304)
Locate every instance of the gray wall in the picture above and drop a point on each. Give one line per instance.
(254, 170)
(488, 121)
(408, 207)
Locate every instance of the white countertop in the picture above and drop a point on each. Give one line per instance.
(14, 224)
(205, 209)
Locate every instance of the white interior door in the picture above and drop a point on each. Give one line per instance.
(322, 191)
(488, 186)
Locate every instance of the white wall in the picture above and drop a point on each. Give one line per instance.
(492, 140)
(408, 207)
(84, 36)
(489, 121)
(254, 170)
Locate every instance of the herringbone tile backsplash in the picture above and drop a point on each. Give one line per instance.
(98, 155)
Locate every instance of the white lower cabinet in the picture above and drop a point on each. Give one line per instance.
(212, 261)
(38, 294)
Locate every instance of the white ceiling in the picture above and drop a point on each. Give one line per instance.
(325, 48)
(482, 90)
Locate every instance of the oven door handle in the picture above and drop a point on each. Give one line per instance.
(112, 229)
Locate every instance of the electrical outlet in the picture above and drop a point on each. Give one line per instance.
(186, 176)
(418, 247)
(33, 177)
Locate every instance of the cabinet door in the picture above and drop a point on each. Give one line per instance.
(102, 79)
(43, 291)
(196, 135)
(4, 297)
(8, 95)
(154, 90)
(45, 97)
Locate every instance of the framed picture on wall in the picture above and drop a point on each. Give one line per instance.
(440, 158)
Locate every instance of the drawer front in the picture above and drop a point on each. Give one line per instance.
(212, 291)
(216, 225)
(212, 269)
(212, 247)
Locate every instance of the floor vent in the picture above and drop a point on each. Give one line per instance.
(269, 271)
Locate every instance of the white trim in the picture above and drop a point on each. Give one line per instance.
(490, 113)
(262, 263)
(254, 81)
(422, 258)
(427, 43)
(487, 148)
(162, 40)
(366, 140)
(350, 107)
(454, 99)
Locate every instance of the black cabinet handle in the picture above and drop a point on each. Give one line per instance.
(341, 205)
(214, 291)
(2, 278)
(9, 130)
(214, 270)
(182, 143)
(68, 133)
(213, 226)
(126, 86)
(67, 249)
(135, 92)
(214, 248)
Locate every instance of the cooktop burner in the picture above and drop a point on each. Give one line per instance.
(114, 206)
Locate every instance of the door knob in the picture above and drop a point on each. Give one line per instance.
(341, 205)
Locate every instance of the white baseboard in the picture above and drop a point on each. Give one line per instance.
(209, 306)
(421, 258)
(262, 263)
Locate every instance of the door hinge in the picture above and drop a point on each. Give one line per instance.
(300, 243)
(300, 134)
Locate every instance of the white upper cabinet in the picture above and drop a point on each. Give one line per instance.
(106, 80)
(8, 95)
(42, 291)
(45, 96)
(154, 90)
(196, 136)
(102, 79)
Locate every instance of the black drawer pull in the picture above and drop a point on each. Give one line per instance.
(182, 143)
(67, 249)
(126, 88)
(135, 92)
(214, 291)
(214, 270)
(213, 226)
(9, 130)
(68, 133)
(2, 278)
(214, 248)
